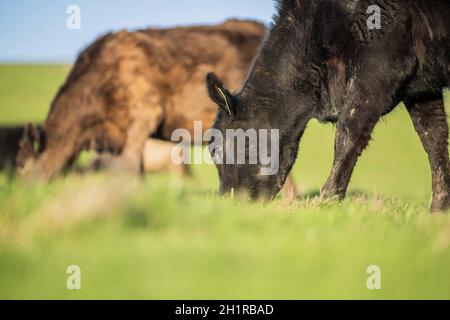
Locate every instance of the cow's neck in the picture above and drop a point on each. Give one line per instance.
(269, 86)
(270, 89)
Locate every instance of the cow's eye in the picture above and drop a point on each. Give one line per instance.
(211, 149)
(216, 154)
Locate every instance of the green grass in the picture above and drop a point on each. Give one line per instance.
(27, 91)
(157, 237)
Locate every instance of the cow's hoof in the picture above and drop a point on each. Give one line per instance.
(331, 195)
(124, 166)
(440, 204)
(290, 195)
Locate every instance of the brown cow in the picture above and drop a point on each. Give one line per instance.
(128, 86)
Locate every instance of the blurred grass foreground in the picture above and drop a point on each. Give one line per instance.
(157, 237)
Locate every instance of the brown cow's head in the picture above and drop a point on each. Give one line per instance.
(31, 145)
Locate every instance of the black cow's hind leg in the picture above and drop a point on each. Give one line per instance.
(430, 121)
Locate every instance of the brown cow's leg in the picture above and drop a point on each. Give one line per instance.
(430, 121)
(354, 130)
(50, 163)
(290, 191)
(145, 122)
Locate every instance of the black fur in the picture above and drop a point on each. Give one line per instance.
(322, 61)
(9, 146)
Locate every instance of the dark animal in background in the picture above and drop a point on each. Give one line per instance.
(128, 86)
(9, 146)
(322, 61)
(10, 138)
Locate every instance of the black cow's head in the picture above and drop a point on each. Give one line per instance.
(278, 113)
(246, 152)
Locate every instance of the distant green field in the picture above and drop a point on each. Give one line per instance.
(161, 238)
(27, 91)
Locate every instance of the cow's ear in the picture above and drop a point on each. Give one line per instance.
(219, 94)
(32, 136)
(30, 132)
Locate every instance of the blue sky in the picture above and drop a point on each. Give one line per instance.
(35, 30)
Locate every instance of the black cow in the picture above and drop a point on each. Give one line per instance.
(323, 61)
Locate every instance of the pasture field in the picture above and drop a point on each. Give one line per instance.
(156, 237)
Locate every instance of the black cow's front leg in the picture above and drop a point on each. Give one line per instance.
(354, 130)
(430, 121)
(372, 92)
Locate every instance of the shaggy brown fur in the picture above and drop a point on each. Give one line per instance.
(128, 86)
